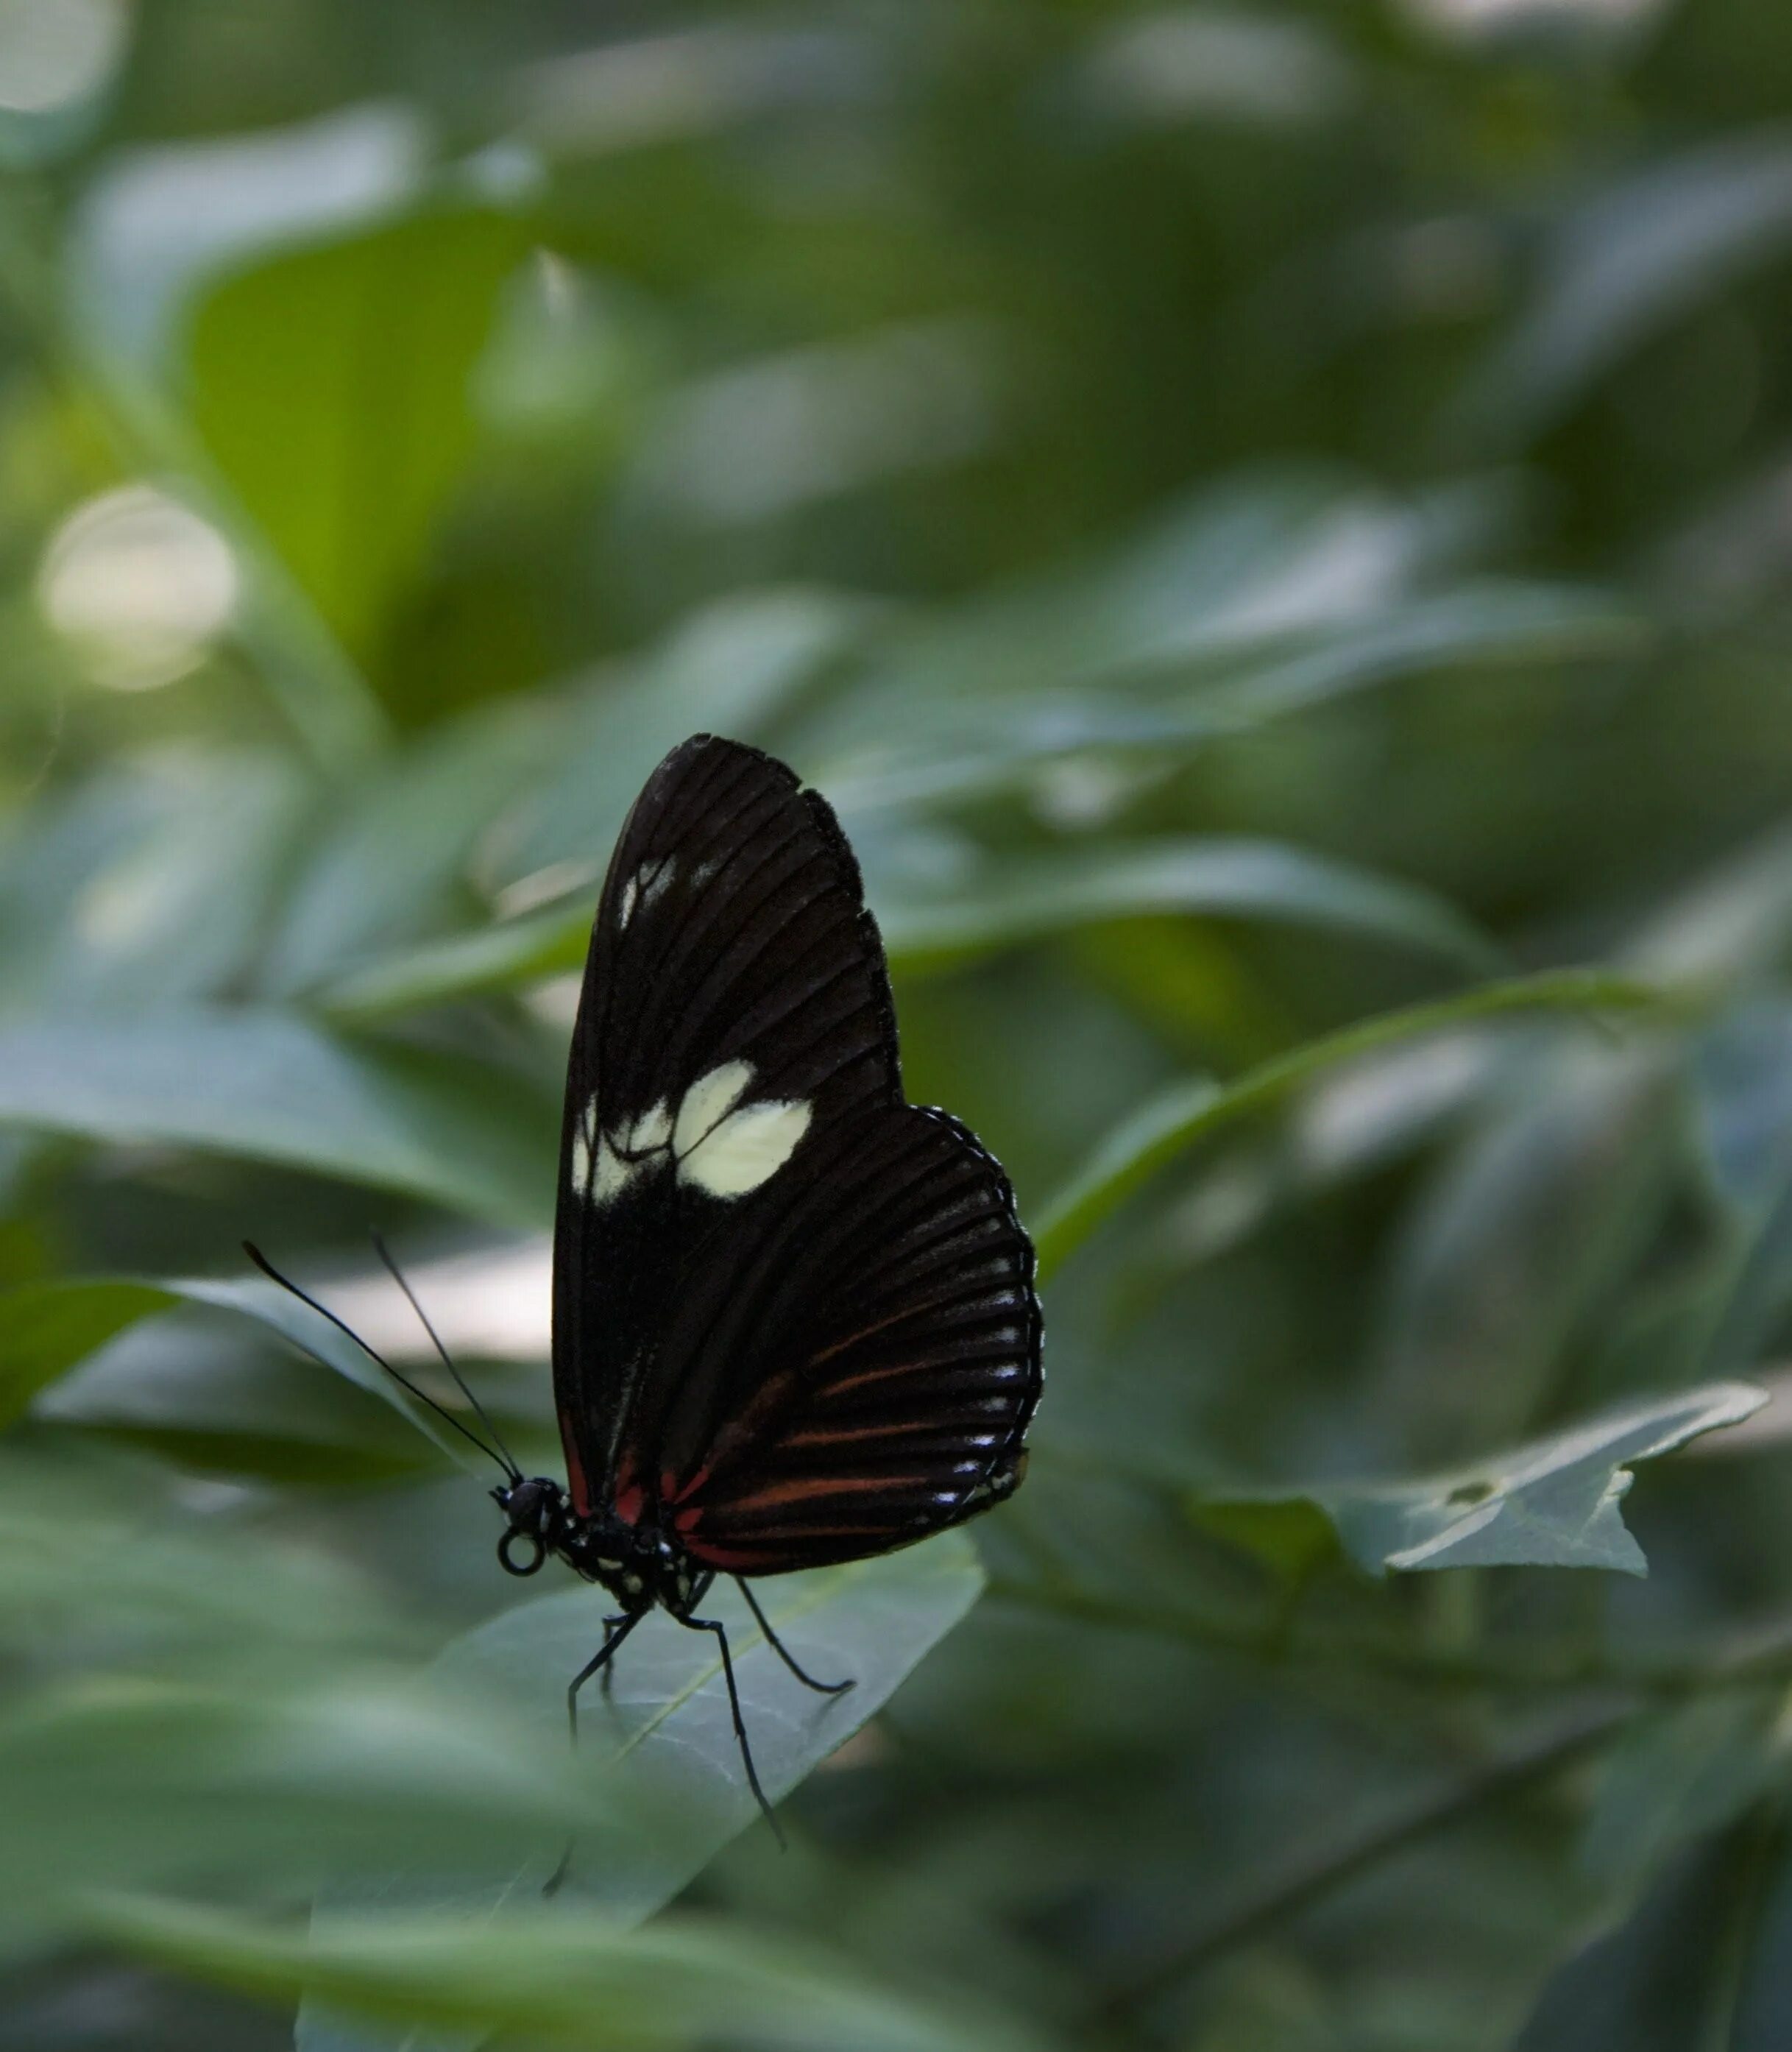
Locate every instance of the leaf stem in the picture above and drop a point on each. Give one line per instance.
(1310, 1881)
(1189, 1111)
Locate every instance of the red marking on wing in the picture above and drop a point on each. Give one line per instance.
(871, 1375)
(851, 1434)
(630, 1498)
(578, 1487)
(804, 1488)
(669, 1491)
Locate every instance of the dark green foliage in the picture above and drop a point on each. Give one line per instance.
(1270, 524)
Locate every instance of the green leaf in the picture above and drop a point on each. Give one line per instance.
(149, 883)
(1163, 701)
(1164, 1129)
(390, 861)
(736, 667)
(269, 1086)
(47, 1328)
(562, 1975)
(1553, 1503)
(1690, 1769)
(332, 386)
(1022, 900)
(1632, 259)
(665, 1742)
(509, 956)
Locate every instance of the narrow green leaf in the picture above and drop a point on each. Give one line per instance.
(509, 956)
(271, 1086)
(562, 1974)
(1186, 1113)
(1553, 1503)
(1022, 900)
(47, 1329)
(1009, 905)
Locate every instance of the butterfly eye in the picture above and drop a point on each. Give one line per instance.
(512, 1567)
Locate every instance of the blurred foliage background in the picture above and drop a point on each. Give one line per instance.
(1274, 524)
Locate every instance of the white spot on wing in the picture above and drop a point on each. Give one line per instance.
(612, 1173)
(584, 1135)
(707, 1102)
(745, 1148)
(625, 911)
(652, 1129)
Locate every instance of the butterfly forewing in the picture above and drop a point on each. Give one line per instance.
(793, 1316)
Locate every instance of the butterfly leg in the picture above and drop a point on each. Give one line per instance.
(616, 1629)
(716, 1626)
(783, 1652)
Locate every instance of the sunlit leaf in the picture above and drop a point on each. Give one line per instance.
(269, 1086)
(332, 386)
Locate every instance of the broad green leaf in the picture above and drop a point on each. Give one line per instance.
(1553, 1503)
(1186, 1113)
(664, 1740)
(271, 1086)
(155, 222)
(47, 1328)
(331, 386)
(564, 1974)
(150, 882)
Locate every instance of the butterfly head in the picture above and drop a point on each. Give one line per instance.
(538, 1513)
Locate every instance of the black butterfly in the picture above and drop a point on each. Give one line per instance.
(794, 1318)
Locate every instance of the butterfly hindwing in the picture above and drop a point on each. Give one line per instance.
(857, 1360)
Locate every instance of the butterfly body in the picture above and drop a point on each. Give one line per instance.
(639, 1565)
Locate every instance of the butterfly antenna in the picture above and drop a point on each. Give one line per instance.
(483, 1416)
(323, 1311)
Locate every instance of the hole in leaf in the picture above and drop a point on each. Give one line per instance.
(1470, 1492)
